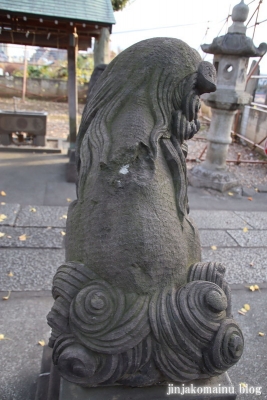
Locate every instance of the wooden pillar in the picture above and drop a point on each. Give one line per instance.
(72, 88)
(101, 48)
(24, 74)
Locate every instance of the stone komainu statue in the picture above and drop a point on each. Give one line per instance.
(133, 303)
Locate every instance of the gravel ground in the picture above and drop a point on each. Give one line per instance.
(249, 175)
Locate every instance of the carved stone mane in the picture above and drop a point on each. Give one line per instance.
(133, 303)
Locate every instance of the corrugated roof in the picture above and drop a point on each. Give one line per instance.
(85, 10)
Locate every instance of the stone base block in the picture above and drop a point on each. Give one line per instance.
(52, 387)
(201, 177)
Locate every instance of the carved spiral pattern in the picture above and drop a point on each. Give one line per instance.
(101, 335)
(184, 322)
(67, 282)
(88, 368)
(211, 272)
(106, 320)
(226, 348)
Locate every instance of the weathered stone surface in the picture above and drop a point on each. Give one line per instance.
(22, 321)
(255, 219)
(11, 213)
(218, 219)
(70, 391)
(44, 216)
(216, 238)
(133, 303)
(237, 262)
(32, 237)
(32, 269)
(251, 238)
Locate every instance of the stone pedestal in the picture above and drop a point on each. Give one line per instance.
(52, 387)
(213, 172)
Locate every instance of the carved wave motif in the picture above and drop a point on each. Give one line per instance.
(88, 368)
(106, 320)
(185, 322)
(101, 335)
(212, 272)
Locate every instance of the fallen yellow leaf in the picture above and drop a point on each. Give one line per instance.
(41, 342)
(63, 233)
(3, 203)
(2, 217)
(3, 193)
(23, 237)
(243, 384)
(63, 217)
(33, 209)
(261, 334)
(7, 297)
(230, 194)
(10, 274)
(214, 247)
(2, 234)
(243, 310)
(245, 229)
(69, 200)
(252, 288)
(256, 287)
(246, 307)
(2, 337)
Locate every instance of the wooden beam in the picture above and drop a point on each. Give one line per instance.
(72, 88)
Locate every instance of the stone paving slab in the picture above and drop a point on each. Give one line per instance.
(10, 211)
(237, 261)
(35, 237)
(33, 269)
(217, 219)
(23, 320)
(252, 238)
(256, 219)
(44, 216)
(216, 238)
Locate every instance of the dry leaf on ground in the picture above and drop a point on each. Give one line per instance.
(23, 237)
(63, 233)
(33, 209)
(41, 342)
(63, 217)
(3, 193)
(230, 194)
(253, 288)
(261, 334)
(3, 203)
(246, 307)
(214, 247)
(2, 337)
(250, 198)
(2, 234)
(69, 200)
(2, 217)
(245, 229)
(7, 297)
(10, 274)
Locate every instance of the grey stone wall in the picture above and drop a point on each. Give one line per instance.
(54, 89)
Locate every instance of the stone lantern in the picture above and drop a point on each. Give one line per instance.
(231, 57)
